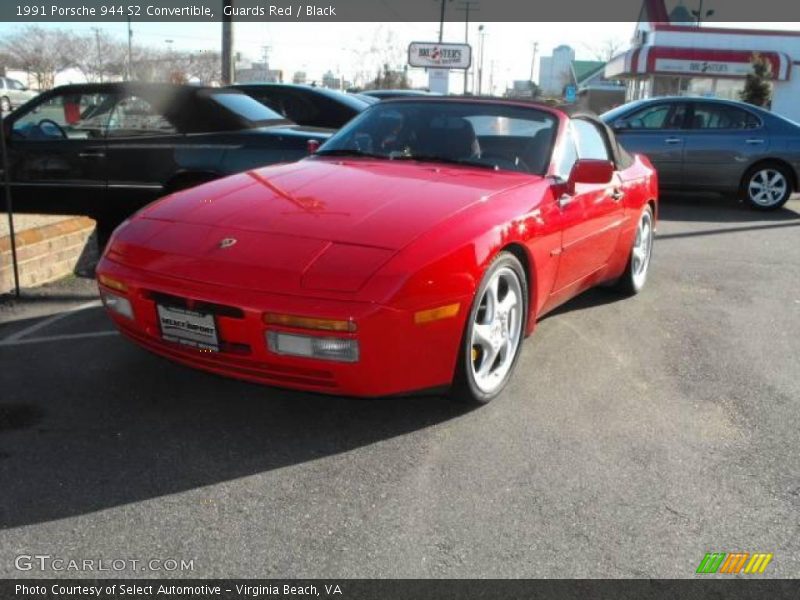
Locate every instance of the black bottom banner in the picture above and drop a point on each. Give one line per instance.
(406, 589)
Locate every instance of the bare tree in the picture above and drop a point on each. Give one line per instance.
(383, 65)
(98, 56)
(606, 49)
(205, 67)
(41, 52)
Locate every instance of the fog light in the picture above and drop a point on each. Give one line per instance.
(326, 348)
(117, 304)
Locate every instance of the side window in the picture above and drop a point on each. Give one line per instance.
(15, 85)
(660, 116)
(65, 116)
(567, 155)
(591, 143)
(135, 116)
(720, 116)
(300, 109)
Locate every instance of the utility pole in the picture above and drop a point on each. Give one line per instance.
(265, 56)
(698, 14)
(130, 49)
(533, 60)
(99, 54)
(482, 36)
(441, 21)
(466, 7)
(228, 75)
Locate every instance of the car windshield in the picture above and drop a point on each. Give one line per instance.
(491, 135)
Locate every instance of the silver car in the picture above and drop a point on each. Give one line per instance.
(705, 144)
(13, 94)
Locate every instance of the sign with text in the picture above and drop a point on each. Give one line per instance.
(439, 56)
(703, 67)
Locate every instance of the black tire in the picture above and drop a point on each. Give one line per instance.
(777, 196)
(633, 280)
(464, 389)
(5, 105)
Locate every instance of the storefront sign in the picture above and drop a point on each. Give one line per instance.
(703, 67)
(433, 55)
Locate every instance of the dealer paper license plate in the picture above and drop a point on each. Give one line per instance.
(188, 327)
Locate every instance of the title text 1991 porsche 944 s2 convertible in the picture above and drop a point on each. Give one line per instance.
(414, 250)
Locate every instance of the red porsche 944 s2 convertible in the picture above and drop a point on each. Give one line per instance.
(412, 251)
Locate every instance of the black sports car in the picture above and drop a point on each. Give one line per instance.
(106, 150)
(307, 104)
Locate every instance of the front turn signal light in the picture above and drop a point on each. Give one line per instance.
(112, 283)
(435, 314)
(310, 322)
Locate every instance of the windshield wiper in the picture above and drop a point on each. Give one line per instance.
(443, 159)
(348, 152)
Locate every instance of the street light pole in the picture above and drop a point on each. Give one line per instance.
(467, 7)
(482, 36)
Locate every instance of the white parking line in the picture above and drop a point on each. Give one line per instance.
(48, 321)
(56, 338)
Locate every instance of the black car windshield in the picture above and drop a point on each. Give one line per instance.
(491, 135)
(246, 107)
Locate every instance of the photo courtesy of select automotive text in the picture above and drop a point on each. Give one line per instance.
(399, 299)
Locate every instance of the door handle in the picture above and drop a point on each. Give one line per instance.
(754, 141)
(92, 154)
(673, 140)
(616, 194)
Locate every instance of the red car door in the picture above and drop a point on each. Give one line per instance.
(591, 216)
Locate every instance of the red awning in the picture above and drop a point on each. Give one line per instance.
(700, 62)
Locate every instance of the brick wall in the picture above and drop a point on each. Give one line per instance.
(49, 252)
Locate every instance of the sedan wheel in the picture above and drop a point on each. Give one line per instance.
(5, 105)
(768, 188)
(493, 333)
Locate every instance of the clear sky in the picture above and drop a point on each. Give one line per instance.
(345, 47)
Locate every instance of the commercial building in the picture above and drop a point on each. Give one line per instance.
(554, 71)
(672, 56)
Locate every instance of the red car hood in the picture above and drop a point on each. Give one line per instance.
(316, 224)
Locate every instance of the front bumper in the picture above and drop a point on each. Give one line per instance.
(396, 355)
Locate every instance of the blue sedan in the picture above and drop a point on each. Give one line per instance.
(705, 144)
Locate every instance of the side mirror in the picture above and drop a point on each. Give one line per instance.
(312, 146)
(590, 171)
(620, 125)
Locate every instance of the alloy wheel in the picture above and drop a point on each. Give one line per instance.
(642, 249)
(497, 330)
(767, 187)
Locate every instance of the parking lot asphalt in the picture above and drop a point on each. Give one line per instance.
(637, 435)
